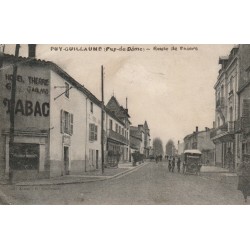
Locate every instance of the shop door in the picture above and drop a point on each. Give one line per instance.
(66, 160)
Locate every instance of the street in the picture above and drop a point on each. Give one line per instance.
(151, 184)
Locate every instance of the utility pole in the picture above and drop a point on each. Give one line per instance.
(12, 108)
(102, 123)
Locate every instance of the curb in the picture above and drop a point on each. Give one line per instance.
(99, 178)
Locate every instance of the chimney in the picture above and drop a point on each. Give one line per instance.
(196, 129)
(32, 50)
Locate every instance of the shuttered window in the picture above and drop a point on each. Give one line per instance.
(93, 132)
(66, 122)
(246, 113)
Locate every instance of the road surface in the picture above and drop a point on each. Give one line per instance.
(151, 184)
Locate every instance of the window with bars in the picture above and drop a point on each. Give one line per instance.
(67, 122)
(93, 132)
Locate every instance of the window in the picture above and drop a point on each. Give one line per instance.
(231, 114)
(92, 132)
(91, 107)
(66, 122)
(123, 131)
(116, 128)
(66, 93)
(230, 87)
(110, 124)
(119, 129)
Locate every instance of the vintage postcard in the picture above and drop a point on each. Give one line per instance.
(120, 124)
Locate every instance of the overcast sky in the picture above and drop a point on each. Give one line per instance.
(172, 90)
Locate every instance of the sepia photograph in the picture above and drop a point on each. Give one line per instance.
(121, 124)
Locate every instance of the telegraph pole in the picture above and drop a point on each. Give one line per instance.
(12, 108)
(102, 123)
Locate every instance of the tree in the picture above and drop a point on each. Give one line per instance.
(157, 145)
(170, 147)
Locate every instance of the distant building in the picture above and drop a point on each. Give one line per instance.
(201, 140)
(137, 138)
(180, 148)
(147, 139)
(118, 131)
(140, 139)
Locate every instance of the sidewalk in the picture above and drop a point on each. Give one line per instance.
(219, 174)
(91, 176)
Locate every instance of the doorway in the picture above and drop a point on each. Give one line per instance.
(97, 156)
(66, 160)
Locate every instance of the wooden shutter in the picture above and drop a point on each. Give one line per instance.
(246, 113)
(95, 132)
(71, 124)
(91, 132)
(62, 118)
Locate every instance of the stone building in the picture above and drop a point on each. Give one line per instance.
(201, 140)
(230, 133)
(118, 132)
(57, 121)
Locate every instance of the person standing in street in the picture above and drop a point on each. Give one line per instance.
(173, 164)
(179, 164)
(169, 163)
(244, 176)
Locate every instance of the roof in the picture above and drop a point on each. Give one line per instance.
(112, 114)
(192, 151)
(114, 105)
(52, 66)
(146, 125)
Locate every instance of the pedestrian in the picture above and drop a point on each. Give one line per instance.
(229, 160)
(169, 164)
(173, 164)
(156, 158)
(179, 164)
(244, 177)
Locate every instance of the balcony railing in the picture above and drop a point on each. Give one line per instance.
(226, 127)
(117, 137)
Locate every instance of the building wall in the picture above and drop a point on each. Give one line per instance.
(124, 149)
(32, 109)
(79, 144)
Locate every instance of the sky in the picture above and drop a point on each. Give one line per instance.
(171, 89)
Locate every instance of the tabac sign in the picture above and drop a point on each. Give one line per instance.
(32, 106)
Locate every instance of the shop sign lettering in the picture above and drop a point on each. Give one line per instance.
(28, 108)
(35, 84)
